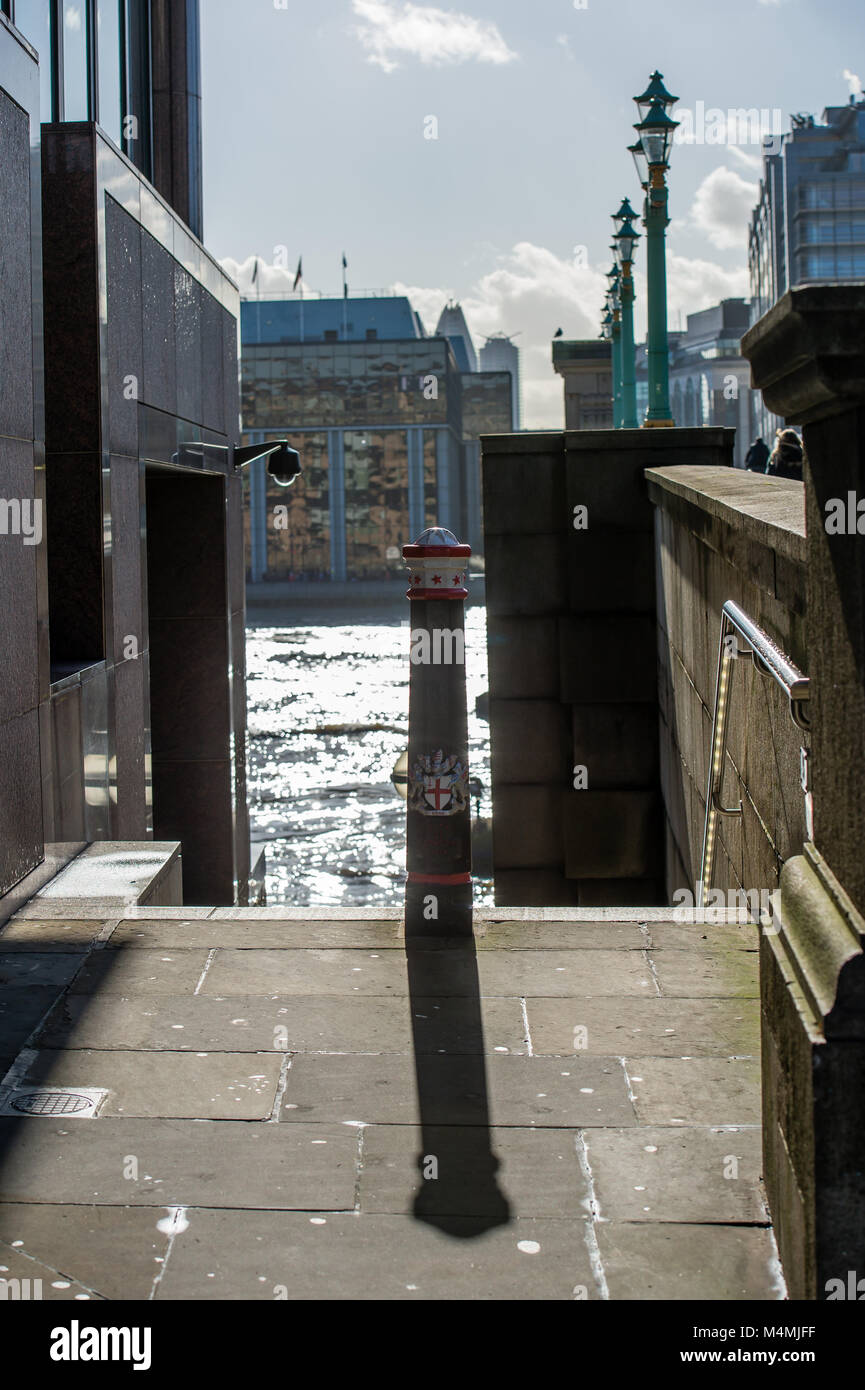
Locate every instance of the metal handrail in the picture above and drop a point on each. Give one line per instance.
(769, 660)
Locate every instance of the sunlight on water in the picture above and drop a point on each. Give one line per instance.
(328, 718)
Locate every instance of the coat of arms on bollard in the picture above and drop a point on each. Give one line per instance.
(438, 784)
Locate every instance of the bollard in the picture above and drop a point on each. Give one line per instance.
(438, 899)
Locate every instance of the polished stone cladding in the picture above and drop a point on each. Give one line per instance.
(144, 730)
(23, 589)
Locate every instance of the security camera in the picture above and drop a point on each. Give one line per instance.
(283, 462)
(284, 465)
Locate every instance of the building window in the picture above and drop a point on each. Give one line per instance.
(109, 48)
(76, 39)
(32, 18)
(135, 88)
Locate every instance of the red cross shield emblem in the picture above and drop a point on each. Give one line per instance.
(438, 792)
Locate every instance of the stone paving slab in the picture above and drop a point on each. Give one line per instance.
(521, 1091)
(539, 1172)
(696, 1090)
(24, 1278)
(141, 972)
(61, 935)
(689, 1262)
(249, 1255)
(30, 969)
(299, 1023)
(565, 973)
(665, 1027)
(20, 1012)
(256, 934)
(650, 1173)
(707, 973)
(730, 936)
(213, 1085)
(560, 936)
(214, 1163)
(112, 1252)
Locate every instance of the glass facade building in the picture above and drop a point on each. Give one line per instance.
(386, 425)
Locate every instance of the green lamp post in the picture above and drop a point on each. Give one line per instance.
(625, 240)
(652, 157)
(615, 309)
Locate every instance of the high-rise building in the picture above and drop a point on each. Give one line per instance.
(386, 424)
(452, 325)
(809, 223)
(121, 571)
(501, 354)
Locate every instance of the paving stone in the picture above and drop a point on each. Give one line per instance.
(252, 1255)
(299, 1023)
(728, 1263)
(696, 974)
(538, 1174)
(665, 1027)
(218, 1085)
(258, 934)
(651, 1173)
(565, 973)
(696, 1090)
(23, 935)
(114, 1252)
(26, 1279)
(558, 936)
(31, 969)
(730, 936)
(141, 972)
(20, 1011)
(315, 972)
(520, 1091)
(212, 1163)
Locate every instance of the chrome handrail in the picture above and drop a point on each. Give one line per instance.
(769, 660)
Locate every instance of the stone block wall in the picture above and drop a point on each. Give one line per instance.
(719, 536)
(572, 662)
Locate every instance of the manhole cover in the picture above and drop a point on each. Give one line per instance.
(54, 1101)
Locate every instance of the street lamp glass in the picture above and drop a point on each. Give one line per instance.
(642, 164)
(626, 239)
(656, 133)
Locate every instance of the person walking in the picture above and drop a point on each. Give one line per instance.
(786, 457)
(757, 456)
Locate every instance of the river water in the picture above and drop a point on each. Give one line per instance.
(328, 718)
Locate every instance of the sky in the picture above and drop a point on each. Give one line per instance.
(477, 150)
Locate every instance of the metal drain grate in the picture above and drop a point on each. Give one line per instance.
(54, 1101)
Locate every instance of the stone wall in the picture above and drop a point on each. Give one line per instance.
(572, 663)
(722, 536)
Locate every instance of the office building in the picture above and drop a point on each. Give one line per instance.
(122, 713)
(501, 354)
(586, 368)
(809, 223)
(709, 378)
(386, 422)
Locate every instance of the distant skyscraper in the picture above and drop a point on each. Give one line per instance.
(501, 354)
(452, 325)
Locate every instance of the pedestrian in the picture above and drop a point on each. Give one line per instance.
(787, 455)
(757, 456)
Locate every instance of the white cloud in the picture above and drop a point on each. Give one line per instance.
(854, 82)
(271, 279)
(722, 208)
(750, 161)
(433, 36)
(694, 284)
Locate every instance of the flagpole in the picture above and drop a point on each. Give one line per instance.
(344, 299)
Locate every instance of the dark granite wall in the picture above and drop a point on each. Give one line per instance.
(23, 654)
(142, 383)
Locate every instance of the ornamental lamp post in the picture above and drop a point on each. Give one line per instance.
(655, 131)
(615, 308)
(625, 240)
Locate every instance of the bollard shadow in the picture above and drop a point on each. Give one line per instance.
(458, 1189)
